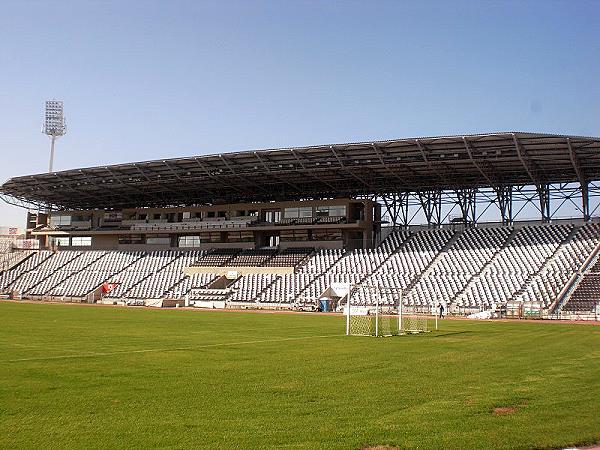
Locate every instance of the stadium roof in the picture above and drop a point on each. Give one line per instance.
(322, 171)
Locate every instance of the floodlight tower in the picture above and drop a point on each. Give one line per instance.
(54, 125)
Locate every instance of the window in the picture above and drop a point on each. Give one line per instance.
(290, 213)
(272, 216)
(327, 235)
(321, 235)
(211, 237)
(189, 241)
(305, 211)
(294, 235)
(240, 236)
(57, 221)
(81, 241)
(294, 213)
(331, 211)
(131, 239)
(59, 241)
(156, 239)
(113, 216)
(186, 215)
(234, 236)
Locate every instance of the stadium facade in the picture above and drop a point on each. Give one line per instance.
(256, 190)
(345, 209)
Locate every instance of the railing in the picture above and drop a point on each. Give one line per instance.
(190, 226)
(10, 260)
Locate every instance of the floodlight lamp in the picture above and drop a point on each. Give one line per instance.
(54, 125)
(54, 119)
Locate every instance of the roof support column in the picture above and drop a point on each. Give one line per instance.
(396, 208)
(404, 196)
(543, 192)
(542, 189)
(583, 182)
(431, 202)
(391, 211)
(505, 203)
(465, 198)
(585, 201)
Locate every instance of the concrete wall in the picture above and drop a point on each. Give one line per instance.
(105, 242)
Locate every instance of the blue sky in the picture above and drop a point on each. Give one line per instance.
(143, 79)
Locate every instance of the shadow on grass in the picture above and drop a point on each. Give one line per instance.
(450, 333)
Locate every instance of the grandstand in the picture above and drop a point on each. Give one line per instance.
(277, 228)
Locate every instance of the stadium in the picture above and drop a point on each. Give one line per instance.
(278, 228)
(300, 225)
(227, 284)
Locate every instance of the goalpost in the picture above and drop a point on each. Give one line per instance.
(378, 311)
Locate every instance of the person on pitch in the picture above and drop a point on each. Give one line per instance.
(441, 306)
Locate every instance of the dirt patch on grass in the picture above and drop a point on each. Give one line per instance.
(504, 410)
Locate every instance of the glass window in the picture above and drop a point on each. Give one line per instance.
(59, 241)
(294, 213)
(155, 239)
(131, 239)
(189, 241)
(327, 235)
(216, 237)
(81, 241)
(113, 216)
(337, 211)
(294, 235)
(234, 236)
(331, 211)
(273, 216)
(290, 213)
(305, 211)
(57, 221)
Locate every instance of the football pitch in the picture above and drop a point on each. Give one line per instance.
(103, 377)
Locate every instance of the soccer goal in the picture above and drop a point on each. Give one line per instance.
(378, 311)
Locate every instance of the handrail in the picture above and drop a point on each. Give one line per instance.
(593, 257)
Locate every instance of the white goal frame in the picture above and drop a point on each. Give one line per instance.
(380, 318)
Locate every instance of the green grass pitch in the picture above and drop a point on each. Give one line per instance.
(102, 377)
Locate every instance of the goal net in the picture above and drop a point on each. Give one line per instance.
(377, 311)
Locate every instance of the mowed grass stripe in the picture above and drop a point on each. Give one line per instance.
(175, 349)
(295, 390)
